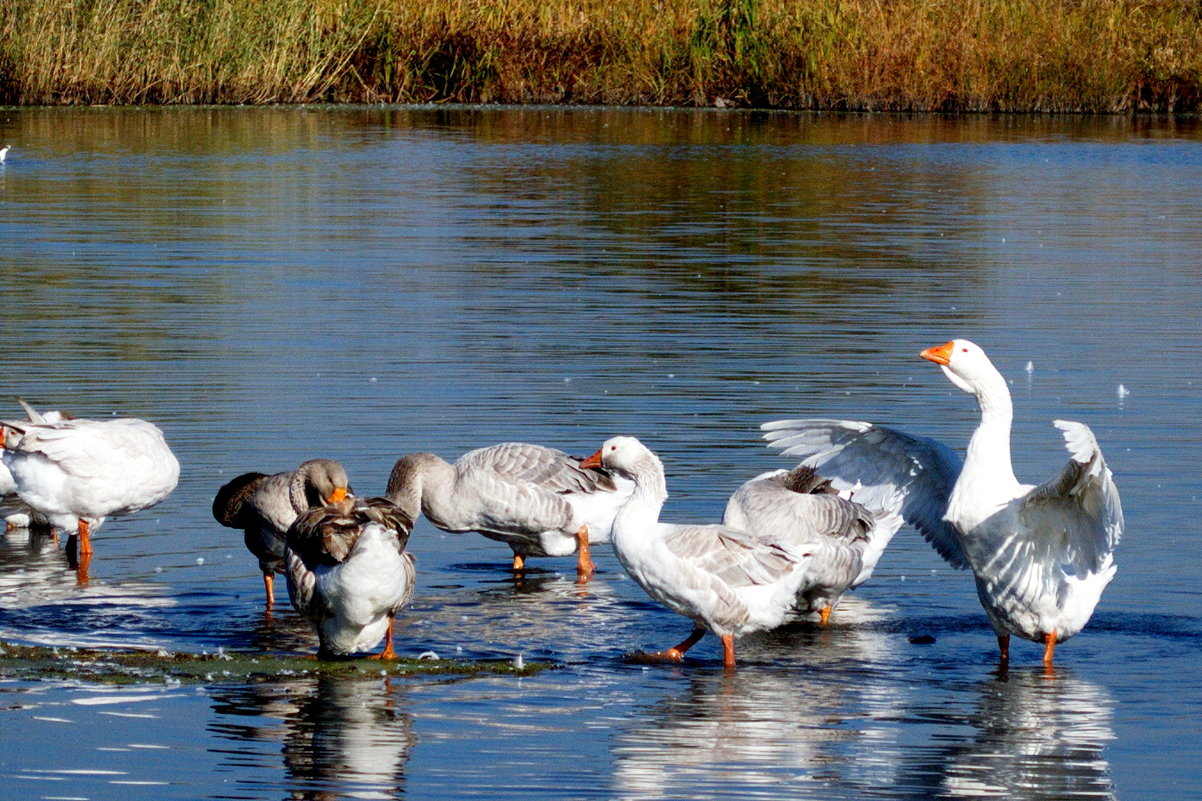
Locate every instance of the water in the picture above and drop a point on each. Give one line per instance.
(270, 285)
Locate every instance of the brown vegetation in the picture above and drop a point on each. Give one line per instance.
(970, 55)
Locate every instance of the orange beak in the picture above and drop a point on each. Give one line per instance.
(338, 494)
(592, 461)
(940, 354)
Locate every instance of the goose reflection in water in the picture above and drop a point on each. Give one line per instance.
(796, 730)
(1038, 738)
(39, 597)
(342, 736)
(31, 567)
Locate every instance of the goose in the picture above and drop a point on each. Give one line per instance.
(348, 573)
(538, 500)
(1041, 555)
(723, 579)
(265, 506)
(76, 473)
(847, 539)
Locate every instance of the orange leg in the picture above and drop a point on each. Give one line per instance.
(85, 540)
(269, 586)
(824, 615)
(1003, 644)
(387, 653)
(676, 653)
(585, 566)
(81, 570)
(1049, 646)
(728, 651)
(519, 562)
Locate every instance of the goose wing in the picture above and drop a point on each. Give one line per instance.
(732, 556)
(887, 469)
(230, 504)
(768, 505)
(1076, 518)
(91, 448)
(326, 536)
(548, 468)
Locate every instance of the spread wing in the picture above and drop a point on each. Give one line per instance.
(885, 469)
(1076, 518)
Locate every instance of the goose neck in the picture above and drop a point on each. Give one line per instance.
(420, 481)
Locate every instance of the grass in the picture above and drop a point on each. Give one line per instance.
(1099, 56)
(129, 666)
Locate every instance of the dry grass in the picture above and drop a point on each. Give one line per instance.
(1009, 55)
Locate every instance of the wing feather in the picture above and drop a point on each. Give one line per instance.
(544, 467)
(733, 556)
(1076, 517)
(885, 469)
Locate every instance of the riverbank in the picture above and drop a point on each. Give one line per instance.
(1092, 56)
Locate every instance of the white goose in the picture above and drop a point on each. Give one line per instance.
(538, 500)
(723, 579)
(1041, 555)
(266, 506)
(846, 538)
(75, 473)
(349, 574)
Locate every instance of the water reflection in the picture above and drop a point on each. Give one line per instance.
(32, 568)
(810, 724)
(390, 280)
(1036, 738)
(339, 737)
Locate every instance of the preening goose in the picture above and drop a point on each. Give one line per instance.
(264, 507)
(538, 500)
(75, 473)
(723, 579)
(846, 538)
(1041, 555)
(348, 573)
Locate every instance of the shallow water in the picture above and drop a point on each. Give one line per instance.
(270, 285)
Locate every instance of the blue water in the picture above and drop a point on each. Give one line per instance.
(270, 285)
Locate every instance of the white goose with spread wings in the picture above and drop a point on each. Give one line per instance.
(538, 500)
(723, 579)
(846, 538)
(1041, 554)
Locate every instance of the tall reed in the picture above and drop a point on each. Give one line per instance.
(1010, 55)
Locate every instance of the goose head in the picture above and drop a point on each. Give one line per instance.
(965, 365)
(317, 483)
(632, 459)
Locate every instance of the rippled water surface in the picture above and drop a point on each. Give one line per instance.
(270, 285)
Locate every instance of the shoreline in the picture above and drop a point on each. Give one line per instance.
(906, 56)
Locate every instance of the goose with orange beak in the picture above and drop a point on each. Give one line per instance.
(349, 574)
(723, 579)
(537, 500)
(265, 506)
(1041, 554)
